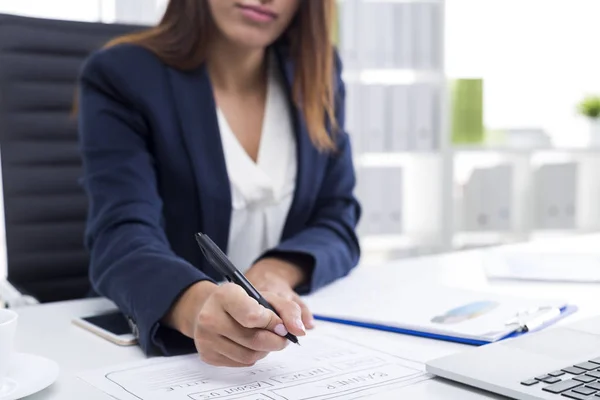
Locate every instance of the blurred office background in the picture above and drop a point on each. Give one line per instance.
(465, 115)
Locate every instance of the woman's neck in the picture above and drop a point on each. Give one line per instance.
(233, 69)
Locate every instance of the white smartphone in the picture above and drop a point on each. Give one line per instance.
(111, 326)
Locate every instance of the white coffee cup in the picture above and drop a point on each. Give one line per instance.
(8, 328)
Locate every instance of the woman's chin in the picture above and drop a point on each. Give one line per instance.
(251, 39)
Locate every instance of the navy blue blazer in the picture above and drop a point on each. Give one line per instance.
(155, 174)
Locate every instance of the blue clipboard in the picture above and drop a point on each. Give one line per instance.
(564, 312)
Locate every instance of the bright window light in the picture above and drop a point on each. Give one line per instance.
(538, 58)
(109, 11)
(79, 10)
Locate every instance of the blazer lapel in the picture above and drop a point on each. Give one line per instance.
(196, 107)
(307, 154)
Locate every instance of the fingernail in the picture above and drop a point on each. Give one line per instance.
(280, 330)
(310, 323)
(300, 325)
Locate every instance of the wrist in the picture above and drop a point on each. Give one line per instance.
(182, 316)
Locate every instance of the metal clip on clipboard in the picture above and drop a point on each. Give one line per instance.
(533, 319)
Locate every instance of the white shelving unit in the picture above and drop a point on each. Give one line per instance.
(393, 53)
(569, 195)
(385, 67)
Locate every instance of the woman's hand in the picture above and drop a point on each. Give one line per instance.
(230, 328)
(279, 277)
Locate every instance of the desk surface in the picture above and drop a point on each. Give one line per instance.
(77, 350)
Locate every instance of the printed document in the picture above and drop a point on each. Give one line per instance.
(425, 308)
(323, 367)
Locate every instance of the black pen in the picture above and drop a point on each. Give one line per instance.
(222, 264)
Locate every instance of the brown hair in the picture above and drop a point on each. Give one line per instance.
(179, 41)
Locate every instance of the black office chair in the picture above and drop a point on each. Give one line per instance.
(45, 207)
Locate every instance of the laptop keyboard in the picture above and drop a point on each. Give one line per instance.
(580, 381)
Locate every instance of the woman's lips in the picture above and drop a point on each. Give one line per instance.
(257, 14)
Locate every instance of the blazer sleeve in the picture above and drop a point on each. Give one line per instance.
(329, 242)
(131, 260)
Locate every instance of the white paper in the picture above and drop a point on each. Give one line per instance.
(543, 266)
(324, 367)
(431, 308)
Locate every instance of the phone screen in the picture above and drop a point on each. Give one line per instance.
(114, 323)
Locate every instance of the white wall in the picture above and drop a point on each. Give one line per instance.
(537, 57)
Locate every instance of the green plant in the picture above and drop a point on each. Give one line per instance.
(590, 107)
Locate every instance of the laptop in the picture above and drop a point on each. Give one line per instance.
(558, 363)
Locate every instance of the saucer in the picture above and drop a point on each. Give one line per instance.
(28, 375)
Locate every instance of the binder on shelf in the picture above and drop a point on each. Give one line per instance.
(568, 195)
(399, 118)
(373, 131)
(426, 115)
(433, 311)
(436, 49)
(386, 35)
(348, 41)
(423, 28)
(393, 194)
(426, 37)
(354, 115)
(368, 30)
(403, 35)
(498, 196)
(467, 111)
(556, 196)
(475, 215)
(488, 199)
(372, 184)
(376, 186)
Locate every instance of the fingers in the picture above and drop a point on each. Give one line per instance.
(261, 340)
(287, 293)
(219, 360)
(239, 353)
(307, 316)
(290, 313)
(234, 330)
(245, 310)
(244, 321)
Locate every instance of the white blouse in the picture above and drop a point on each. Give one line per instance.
(261, 191)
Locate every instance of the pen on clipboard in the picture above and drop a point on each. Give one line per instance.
(539, 321)
(221, 263)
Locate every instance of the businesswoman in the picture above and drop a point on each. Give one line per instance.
(227, 119)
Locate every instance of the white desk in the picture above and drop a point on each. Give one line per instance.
(47, 330)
